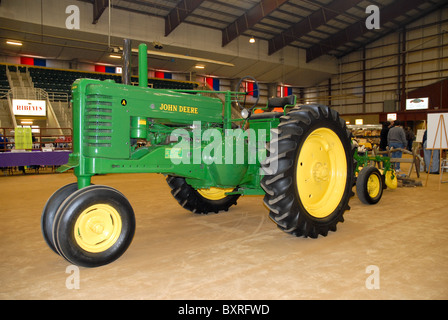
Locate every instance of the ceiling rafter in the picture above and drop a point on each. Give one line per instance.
(179, 14)
(349, 34)
(98, 8)
(310, 23)
(249, 19)
(434, 6)
(318, 23)
(148, 5)
(300, 17)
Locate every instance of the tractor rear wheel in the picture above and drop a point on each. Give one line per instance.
(201, 201)
(309, 172)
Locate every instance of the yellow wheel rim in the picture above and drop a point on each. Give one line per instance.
(391, 179)
(373, 186)
(321, 172)
(98, 228)
(214, 193)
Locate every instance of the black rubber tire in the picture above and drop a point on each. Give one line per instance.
(70, 210)
(362, 185)
(282, 197)
(49, 212)
(191, 200)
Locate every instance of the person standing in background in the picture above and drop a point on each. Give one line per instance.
(383, 136)
(410, 137)
(396, 139)
(3, 143)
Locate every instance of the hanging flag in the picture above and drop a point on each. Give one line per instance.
(163, 75)
(287, 91)
(252, 89)
(33, 61)
(214, 83)
(110, 70)
(40, 62)
(100, 68)
(105, 69)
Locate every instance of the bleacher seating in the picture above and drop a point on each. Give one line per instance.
(52, 80)
(59, 82)
(4, 83)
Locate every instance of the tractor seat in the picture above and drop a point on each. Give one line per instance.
(281, 102)
(274, 103)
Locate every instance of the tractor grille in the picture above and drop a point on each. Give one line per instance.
(98, 121)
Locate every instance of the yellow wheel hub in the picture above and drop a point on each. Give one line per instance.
(321, 172)
(98, 228)
(214, 193)
(373, 186)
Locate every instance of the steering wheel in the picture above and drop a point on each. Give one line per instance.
(247, 95)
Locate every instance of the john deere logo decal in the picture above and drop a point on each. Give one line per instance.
(124, 102)
(176, 108)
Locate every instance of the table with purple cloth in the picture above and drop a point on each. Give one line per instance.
(34, 158)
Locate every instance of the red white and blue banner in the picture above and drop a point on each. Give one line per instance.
(105, 69)
(163, 75)
(287, 91)
(252, 89)
(214, 83)
(33, 61)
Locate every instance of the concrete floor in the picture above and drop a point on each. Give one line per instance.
(235, 255)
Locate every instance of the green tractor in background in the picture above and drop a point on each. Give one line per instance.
(301, 160)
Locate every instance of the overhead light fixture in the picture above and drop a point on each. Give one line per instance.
(115, 56)
(14, 43)
(157, 45)
(26, 122)
(252, 40)
(199, 66)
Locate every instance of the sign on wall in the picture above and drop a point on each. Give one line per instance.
(391, 116)
(35, 108)
(437, 131)
(417, 104)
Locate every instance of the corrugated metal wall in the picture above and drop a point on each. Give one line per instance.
(404, 60)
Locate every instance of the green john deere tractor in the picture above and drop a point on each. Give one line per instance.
(301, 160)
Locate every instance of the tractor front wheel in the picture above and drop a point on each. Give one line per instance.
(94, 226)
(50, 209)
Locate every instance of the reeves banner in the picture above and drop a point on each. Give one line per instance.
(37, 108)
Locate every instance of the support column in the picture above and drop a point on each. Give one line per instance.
(272, 90)
(403, 71)
(364, 80)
